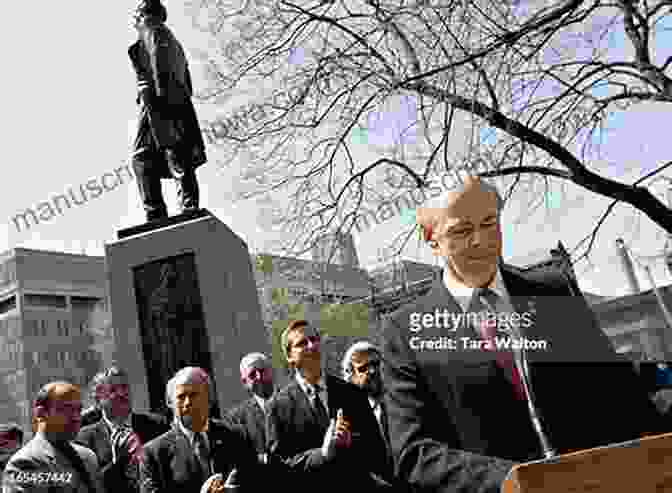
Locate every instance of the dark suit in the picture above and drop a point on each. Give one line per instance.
(97, 438)
(454, 423)
(170, 464)
(39, 467)
(295, 436)
(250, 416)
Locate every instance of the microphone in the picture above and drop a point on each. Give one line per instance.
(520, 358)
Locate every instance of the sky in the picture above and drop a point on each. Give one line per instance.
(69, 115)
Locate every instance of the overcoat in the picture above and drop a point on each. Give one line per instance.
(163, 76)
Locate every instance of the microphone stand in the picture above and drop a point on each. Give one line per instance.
(520, 359)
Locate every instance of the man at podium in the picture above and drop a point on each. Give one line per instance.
(464, 363)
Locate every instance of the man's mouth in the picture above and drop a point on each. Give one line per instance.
(481, 258)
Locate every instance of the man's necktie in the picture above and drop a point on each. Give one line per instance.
(202, 454)
(128, 439)
(486, 300)
(322, 416)
(382, 422)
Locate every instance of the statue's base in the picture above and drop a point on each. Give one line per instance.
(183, 293)
(162, 223)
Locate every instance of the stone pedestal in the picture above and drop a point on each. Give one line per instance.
(183, 293)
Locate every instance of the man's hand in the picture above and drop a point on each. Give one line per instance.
(338, 436)
(214, 484)
(343, 433)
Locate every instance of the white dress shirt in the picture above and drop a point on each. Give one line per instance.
(113, 427)
(261, 402)
(378, 412)
(463, 293)
(308, 389)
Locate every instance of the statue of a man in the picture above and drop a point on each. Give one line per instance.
(168, 143)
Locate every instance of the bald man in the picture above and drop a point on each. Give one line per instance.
(256, 375)
(458, 410)
(50, 462)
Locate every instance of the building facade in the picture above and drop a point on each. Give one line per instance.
(47, 302)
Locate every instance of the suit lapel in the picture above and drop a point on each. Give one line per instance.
(258, 415)
(103, 441)
(258, 418)
(304, 403)
(184, 449)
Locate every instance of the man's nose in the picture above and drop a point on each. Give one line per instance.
(477, 236)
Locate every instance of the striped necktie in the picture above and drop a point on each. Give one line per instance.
(486, 300)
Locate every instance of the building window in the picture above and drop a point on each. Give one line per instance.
(45, 300)
(8, 304)
(85, 302)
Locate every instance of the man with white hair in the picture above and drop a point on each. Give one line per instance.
(460, 412)
(256, 375)
(198, 447)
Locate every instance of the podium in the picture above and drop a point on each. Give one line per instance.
(636, 466)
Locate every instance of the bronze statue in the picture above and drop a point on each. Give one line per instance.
(168, 143)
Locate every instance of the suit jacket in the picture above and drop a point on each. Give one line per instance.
(28, 470)
(170, 464)
(250, 416)
(295, 436)
(454, 422)
(97, 438)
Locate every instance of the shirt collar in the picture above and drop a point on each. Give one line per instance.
(308, 388)
(463, 293)
(260, 401)
(189, 433)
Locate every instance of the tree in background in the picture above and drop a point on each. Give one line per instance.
(524, 90)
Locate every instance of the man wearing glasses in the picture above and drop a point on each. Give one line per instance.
(361, 366)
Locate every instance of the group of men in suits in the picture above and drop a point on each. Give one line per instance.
(440, 407)
(325, 428)
(127, 451)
